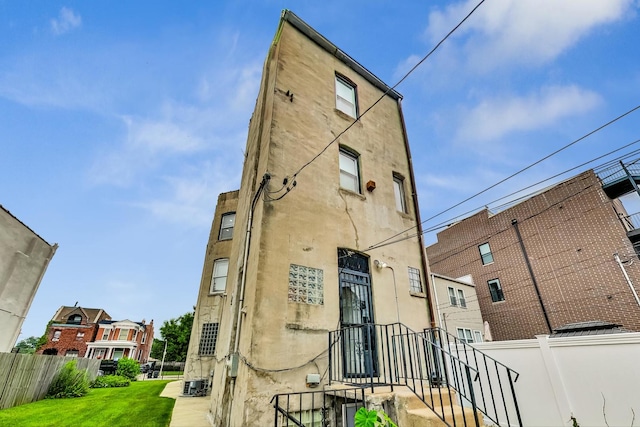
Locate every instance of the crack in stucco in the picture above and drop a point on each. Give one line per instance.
(346, 209)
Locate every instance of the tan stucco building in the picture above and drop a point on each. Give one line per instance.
(290, 254)
(24, 258)
(457, 307)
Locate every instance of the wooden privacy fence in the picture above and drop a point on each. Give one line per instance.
(25, 378)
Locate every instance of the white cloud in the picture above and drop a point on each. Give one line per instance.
(66, 21)
(492, 119)
(522, 31)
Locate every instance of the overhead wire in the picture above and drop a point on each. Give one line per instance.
(389, 90)
(448, 222)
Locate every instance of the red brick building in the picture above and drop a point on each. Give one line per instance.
(91, 333)
(558, 257)
(71, 329)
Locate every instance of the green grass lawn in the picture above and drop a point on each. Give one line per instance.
(138, 405)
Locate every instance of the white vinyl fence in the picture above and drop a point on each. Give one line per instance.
(590, 380)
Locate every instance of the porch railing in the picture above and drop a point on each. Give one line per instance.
(374, 355)
(320, 408)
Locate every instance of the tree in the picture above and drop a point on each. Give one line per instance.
(176, 333)
(28, 345)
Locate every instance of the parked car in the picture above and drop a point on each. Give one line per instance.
(146, 367)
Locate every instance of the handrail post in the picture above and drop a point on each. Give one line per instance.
(472, 395)
(275, 412)
(515, 401)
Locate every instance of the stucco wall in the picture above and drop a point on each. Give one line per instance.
(451, 317)
(24, 257)
(282, 341)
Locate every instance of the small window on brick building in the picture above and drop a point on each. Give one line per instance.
(485, 253)
(122, 336)
(71, 353)
(105, 335)
(80, 335)
(74, 319)
(496, 290)
(56, 336)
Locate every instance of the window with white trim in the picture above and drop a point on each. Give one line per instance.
(105, 335)
(465, 335)
(461, 299)
(219, 275)
(415, 282)
(346, 97)
(208, 339)
(485, 253)
(452, 296)
(478, 336)
(122, 336)
(349, 171)
(144, 338)
(226, 226)
(398, 190)
(56, 336)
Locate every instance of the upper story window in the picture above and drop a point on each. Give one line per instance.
(74, 319)
(122, 336)
(349, 171)
(461, 299)
(496, 290)
(219, 276)
(415, 283)
(226, 226)
(105, 335)
(465, 335)
(398, 189)
(485, 254)
(56, 336)
(452, 296)
(346, 97)
(144, 338)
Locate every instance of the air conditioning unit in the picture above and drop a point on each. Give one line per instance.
(195, 387)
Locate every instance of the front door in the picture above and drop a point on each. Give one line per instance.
(359, 355)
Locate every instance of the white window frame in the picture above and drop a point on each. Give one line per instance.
(453, 300)
(477, 336)
(144, 338)
(349, 178)
(486, 256)
(105, 335)
(465, 334)
(346, 100)
(462, 301)
(398, 191)
(56, 335)
(126, 334)
(227, 223)
(415, 281)
(219, 276)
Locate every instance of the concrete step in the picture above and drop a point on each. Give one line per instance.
(425, 417)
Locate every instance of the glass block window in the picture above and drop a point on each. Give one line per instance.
(306, 285)
(415, 284)
(208, 339)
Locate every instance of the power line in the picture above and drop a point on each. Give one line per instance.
(387, 91)
(610, 122)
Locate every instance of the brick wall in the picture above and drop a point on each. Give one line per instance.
(69, 339)
(570, 233)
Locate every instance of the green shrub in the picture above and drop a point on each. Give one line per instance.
(69, 382)
(128, 368)
(107, 381)
(367, 418)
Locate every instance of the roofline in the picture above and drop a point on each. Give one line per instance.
(321, 41)
(26, 226)
(473, 285)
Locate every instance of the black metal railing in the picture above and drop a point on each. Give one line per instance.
(616, 173)
(494, 394)
(631, 222)
(322, 408)
(393, 355)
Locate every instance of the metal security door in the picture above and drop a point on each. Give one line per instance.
(356, 317)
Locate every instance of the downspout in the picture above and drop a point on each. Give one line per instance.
(626, 276)
(514, 222)
(414, 196)
(243, 281)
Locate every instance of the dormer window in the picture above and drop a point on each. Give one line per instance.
(74, 319)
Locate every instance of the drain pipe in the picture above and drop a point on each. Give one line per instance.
(514, 222)
(626, 276)
(243, 281)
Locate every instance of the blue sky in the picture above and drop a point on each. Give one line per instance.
(121, 122)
